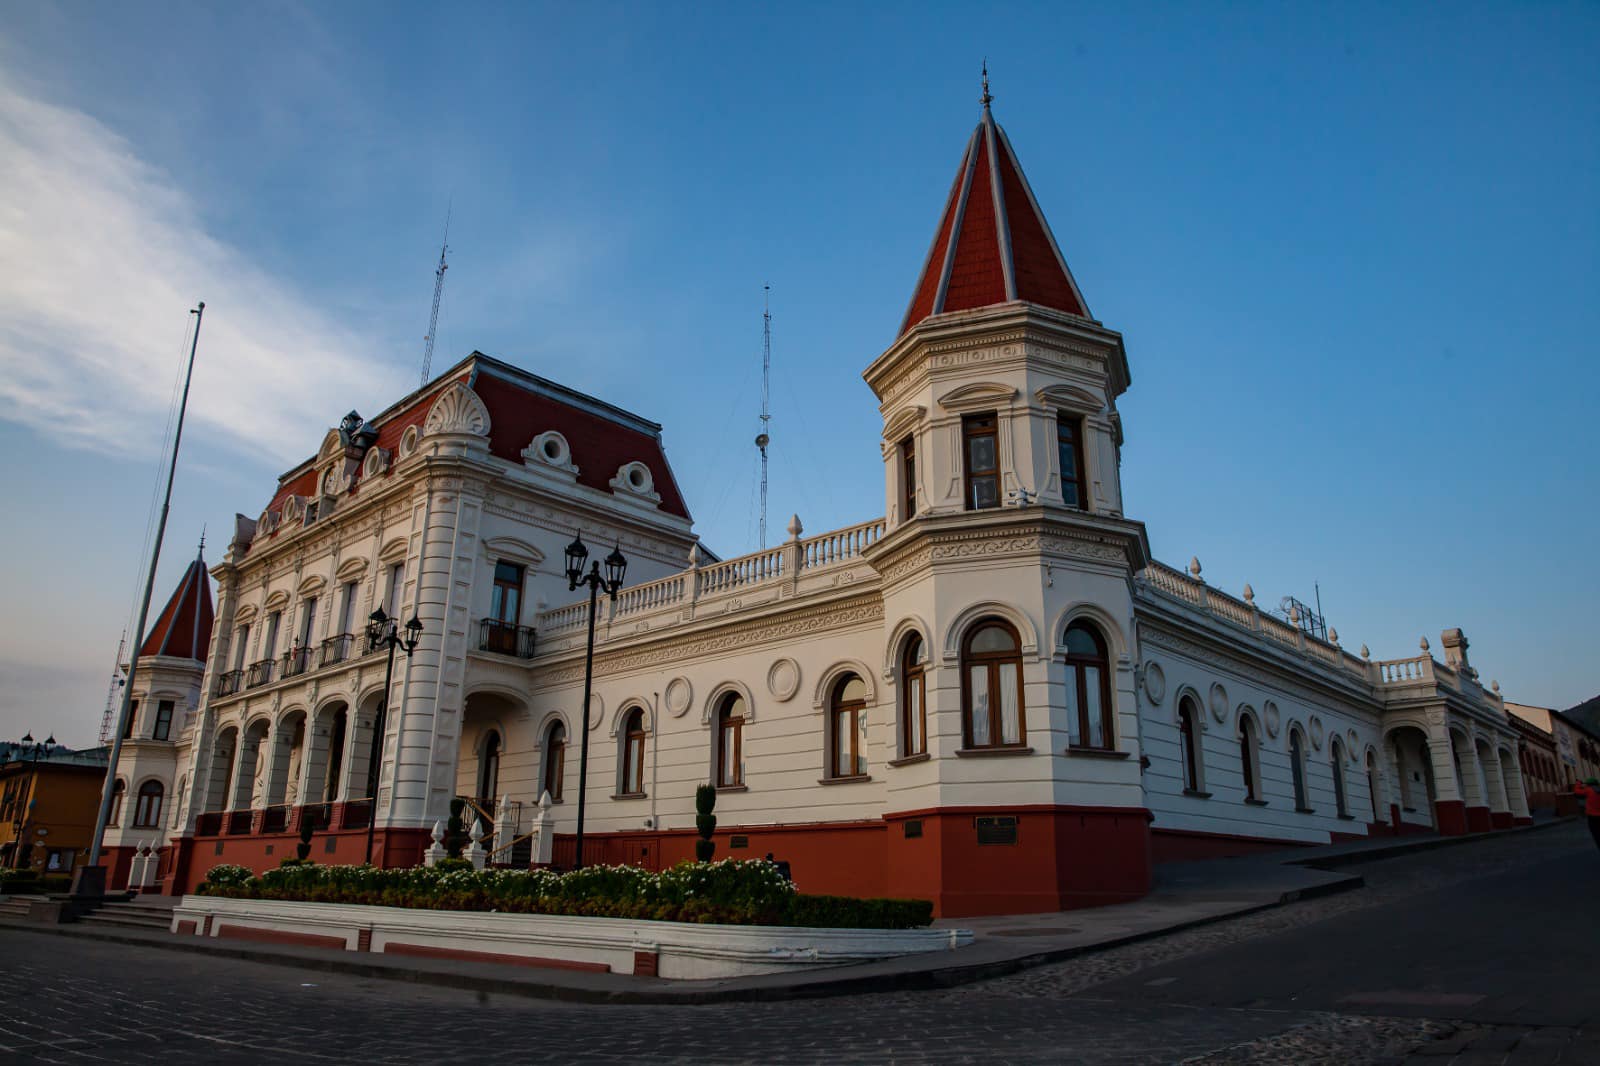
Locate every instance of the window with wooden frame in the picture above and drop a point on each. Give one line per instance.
(730, 741)
(981, 449)
(1189, 735)
(1069, 450)
(633, 753)
(555, 760)
(847, 711)
(1297, 769)
(1089, 706)
(118, 791)
(241, 643)
(147, 808)
(1249, 759)
(391, 595)
(505, 602)
(489, 769)
(163, 726)
(991, 686)
(913, 700)
(908, 479)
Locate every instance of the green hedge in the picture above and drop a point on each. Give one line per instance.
(730, 892)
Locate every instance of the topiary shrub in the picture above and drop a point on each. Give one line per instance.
(455, 831)
(302, 850)
(705, 823)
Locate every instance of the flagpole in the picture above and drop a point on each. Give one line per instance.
(90, 880)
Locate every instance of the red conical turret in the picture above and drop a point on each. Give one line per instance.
(992, 245)
(183, 631)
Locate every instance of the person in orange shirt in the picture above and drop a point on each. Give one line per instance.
(1590, 791)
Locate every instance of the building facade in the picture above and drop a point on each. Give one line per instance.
(1574, 755)
(991, 697)
(49, 797)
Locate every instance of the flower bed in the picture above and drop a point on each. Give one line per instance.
(729, 892)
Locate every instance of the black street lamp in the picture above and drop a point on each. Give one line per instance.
(616, 567)
(31, 753)
(381, 629)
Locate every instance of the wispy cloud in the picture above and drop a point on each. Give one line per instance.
(102, 252)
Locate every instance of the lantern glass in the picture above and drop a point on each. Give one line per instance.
(616, 567)
(577, 555)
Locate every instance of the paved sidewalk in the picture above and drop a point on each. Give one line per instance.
(1187, 895)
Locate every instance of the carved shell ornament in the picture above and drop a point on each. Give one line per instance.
(457, 410)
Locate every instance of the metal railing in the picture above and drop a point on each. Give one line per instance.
(229, 683)
(209, 824)
(260, 673)
(240, 822)
(357, 813)
(296, 661)
(336, 649)
(505, 638)
(275, 819)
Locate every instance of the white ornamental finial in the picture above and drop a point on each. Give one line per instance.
(1194, 567)
(1496, 686)
(477, 831)
(1423, 644)
(1365, 654)
(1294, 613)
(1249, 593)
(438, 833)
(1333, 636)
(544, 801)
(694, 554)
(795, 528)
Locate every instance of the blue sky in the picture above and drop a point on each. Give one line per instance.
(1352, 250)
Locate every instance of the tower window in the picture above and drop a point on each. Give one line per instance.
(908, 478)
(1069, 448)
(982, 461)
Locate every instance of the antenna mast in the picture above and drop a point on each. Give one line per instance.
(438, 291)
(762, 439)
(117, 681)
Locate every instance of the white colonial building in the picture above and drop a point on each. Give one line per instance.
(991, 697)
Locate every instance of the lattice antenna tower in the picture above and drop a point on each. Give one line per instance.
(113, 700)
(763, 438)
(438, 291)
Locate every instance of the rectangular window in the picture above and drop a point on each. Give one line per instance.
(391, 597)
(1069, 449)
(241, 645)
(163, 729)
(978, 680)
(908, 478)
(506, 600)
(269, 649)
(308, 620)
(981, 448)
(133, 716)
(916, 717)
(347, 608)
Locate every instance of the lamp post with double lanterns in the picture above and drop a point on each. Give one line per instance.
(31, 752)
(616, 567)
(383, 630)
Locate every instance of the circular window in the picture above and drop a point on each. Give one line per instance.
(636, 478)
(551, 449)
(408, 442)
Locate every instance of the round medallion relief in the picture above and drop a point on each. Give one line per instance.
(1271, 716)
(1316, 732)
(1155, 683)
(783, 679)
(678, 696)
(1219, 702)
(1354, 740)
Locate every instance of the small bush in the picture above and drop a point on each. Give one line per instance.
(446, 865)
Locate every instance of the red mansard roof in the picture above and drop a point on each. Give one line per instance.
(993, 244)
(183, 630)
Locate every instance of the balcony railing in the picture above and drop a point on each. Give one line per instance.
(296, 661)
(239, 822)
(260, 673)
(208, 824)
(505, 638)
(357, 813)
(337, 649)
(275, 819)
(229, 683)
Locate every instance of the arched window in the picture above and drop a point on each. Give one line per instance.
(1372, 785)
(555, 760)
(118, 791)
(730, 741)
(633, 753)
(489, 768)
(1297, 768)
(178, 800)
(1088, 689)
(913, 700)
(1336, 763)
(991, 686)
(1250, 759)
(847, 722)
(147, 808)
(1189, 736)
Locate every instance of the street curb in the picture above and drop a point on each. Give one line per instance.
(910, 981)
(1333, 862)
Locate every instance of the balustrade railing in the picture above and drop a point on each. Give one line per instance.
(742, 571)
(1393, 671)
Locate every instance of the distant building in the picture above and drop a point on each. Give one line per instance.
(48, 805)
(1577, 750)
(991, 696)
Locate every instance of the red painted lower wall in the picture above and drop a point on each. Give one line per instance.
(1178, 845)
(197, 855)
(1500, 819)
(1450, 816)
(1479, 820)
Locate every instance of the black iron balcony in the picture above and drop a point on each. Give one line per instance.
(209, 824)
(275, 819)
(296, 661)
(240, 822)
(229, 683)
(260, 673)
(337, 649)
(357, 813)
(505, 638)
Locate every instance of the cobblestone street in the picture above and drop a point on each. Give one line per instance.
(1267, 988)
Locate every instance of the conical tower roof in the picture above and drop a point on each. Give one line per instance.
(183, 629)
(993, 244)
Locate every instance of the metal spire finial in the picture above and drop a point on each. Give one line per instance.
(202, 538)
(985, 98)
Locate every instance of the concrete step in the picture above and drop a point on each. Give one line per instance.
(121, 919)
